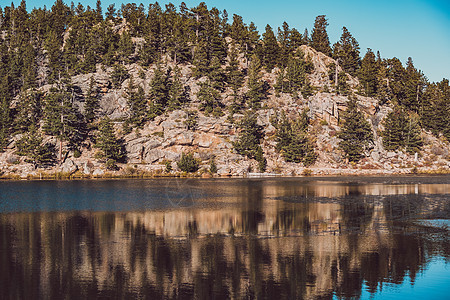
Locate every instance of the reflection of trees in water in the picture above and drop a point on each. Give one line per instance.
(49, 255)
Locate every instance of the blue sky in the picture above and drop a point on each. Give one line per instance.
(400, 28)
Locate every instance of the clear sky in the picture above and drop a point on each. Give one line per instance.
(402, 28)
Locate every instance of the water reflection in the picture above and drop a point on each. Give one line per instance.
(247, 239)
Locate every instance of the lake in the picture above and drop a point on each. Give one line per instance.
(268, 238)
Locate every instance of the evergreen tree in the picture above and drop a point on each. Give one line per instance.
(401, 132)
(234, 75)
(435, 109)
(271, 49)
(367, 75)
(31, 145)
(118, 75)
(91, 105)
(137, 103)
(210, 99)
(61, 119)
(256, 92)
(293, 141)
(111, 148)
(284, 40)
(159, 91)
(250, 136)
(217, 75)
(319, 37)
(292, 78)
(414, 85)
(29, 109)
(346, 52)
(125, 49)
(177, 91)
(356, 133)
(384, 93)
(5, 123)
(201, 59)
(397, 78)
(188, 163)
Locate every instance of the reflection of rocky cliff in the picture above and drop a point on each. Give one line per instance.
(261, 248)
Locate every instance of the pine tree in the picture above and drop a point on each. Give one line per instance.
(367, 74)
(137, 103)
(435, 109)
(201, 59)
(271, 49)
(125, 48)
(346, 52)
(177, 92)
(5, 123)
(414, 85)
(234, 75)
(402, 132)
(61, 119)
(256, 92)
(319, 37)
(356, 133)
(111, 148)
(250, 136)
(31, 145)
(397, 79)
(159, 90)
(293, 141)
(292, 78)
(384, 93)
(210, 99)
(217, 75)
(284, 39)
(29, 109)
(188, 163)
(118, 75)
(91, 105)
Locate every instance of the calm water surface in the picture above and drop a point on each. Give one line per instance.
(302, 238)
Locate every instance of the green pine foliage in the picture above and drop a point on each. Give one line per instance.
(210, 99)
(136, 103)
(271, 49)
(31, 145)
(346, 52)
(293, 141)
(355, 134)
(367, 74)
(48, 46)
(159, 90)
(5, 123)
(178, 95)
(28, 109)
(293, 78)
(319, 37)
(250, 136)
(402, 132)
(234, 76)
(256, 92)
(188, 163)
(111, 149)
(62, 119)
(91, 105)
(435, 112)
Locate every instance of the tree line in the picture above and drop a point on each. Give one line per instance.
(50, 46)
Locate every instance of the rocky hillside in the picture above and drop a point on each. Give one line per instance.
(162, 141)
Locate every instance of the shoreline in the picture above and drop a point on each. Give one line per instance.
(140, 174)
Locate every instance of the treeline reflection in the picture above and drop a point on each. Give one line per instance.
(263, 248)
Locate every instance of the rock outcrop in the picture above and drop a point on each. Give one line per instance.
(166, 137)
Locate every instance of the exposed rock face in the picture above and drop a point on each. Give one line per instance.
(166, 137)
